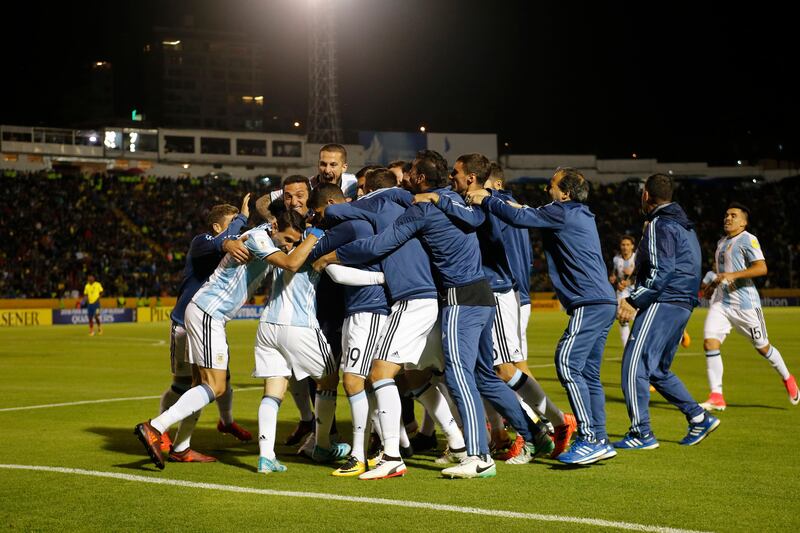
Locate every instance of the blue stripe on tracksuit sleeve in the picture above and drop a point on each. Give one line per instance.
(548, 216)
(658, 247)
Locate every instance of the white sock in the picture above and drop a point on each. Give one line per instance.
(267, 426)
(714, 370)
(533, 394)
(225, 406)
(436, 405)
(302, 398)
(326, 408)
(389, 413)
(776, 360)
(442, 386)
(183, 438)
(192, 401)
(624, 333)
(171, 396)
(359, 409)
(428, 425)
(404, 442)
(373, 414)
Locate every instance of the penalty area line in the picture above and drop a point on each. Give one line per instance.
(107, 400)
(351, 499)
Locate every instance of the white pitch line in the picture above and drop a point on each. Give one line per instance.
(107, 400)
(355, 499)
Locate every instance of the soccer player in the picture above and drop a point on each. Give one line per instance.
(217, 301)
(500, 245)
(467, 318)
(735, 304)
(92, 292)
(331, 169)
(205, 252)
(291, 343)
(576, 268)
(622, 276)
(667, 280)
(408, 337)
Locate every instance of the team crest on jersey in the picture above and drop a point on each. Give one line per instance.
(220, 358)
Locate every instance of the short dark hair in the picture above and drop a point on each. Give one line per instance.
(322, 193)
(741, 207)
(573, 183)
(433, 166)
(218, 213)
(366, 169)
(659, 187)
(379, 178)
(477, 164)
(290, 219)
(296, 178)
(335, 148)
(628, 237)
(397, 163)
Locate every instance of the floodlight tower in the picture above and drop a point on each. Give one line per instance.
(324, 125)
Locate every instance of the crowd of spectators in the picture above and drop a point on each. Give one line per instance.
(132, 232)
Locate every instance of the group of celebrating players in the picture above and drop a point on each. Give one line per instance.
(425, 294)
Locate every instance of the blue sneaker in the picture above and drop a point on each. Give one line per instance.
(337, 450)
(699, 431)
(265, 466)
(634, 441)
(610, 451)
(583, 452)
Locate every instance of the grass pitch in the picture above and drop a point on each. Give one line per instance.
(744, 477)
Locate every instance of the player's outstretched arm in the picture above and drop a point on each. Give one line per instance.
(295, 260)
(354, 277)
(755, 270)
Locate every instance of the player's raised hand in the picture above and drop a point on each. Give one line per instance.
(245, 210)
(237, 249)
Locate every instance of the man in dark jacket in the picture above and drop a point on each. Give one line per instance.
(578, 274)
(668, 271)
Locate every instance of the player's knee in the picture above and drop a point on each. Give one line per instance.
(353, 384)
(711, 344)
(505, 371)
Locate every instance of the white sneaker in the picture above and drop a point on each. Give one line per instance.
(470, 467)
(385, 469)
(451, 456)
(307, 448)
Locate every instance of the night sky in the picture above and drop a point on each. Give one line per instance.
(683, 82)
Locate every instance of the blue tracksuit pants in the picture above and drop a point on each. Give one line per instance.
(654, 339)
(469, 374)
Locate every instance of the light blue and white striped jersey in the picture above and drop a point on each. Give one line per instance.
(620, 266)
(232, 284)
(293, 298)
(732, 255)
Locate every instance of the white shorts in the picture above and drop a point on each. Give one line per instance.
(524, 318)
(360, 334)
(286, 350)
(433, 353)
(405, 334)
(748, 322)
(178, 355)
(505, 330)
(208, 345)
